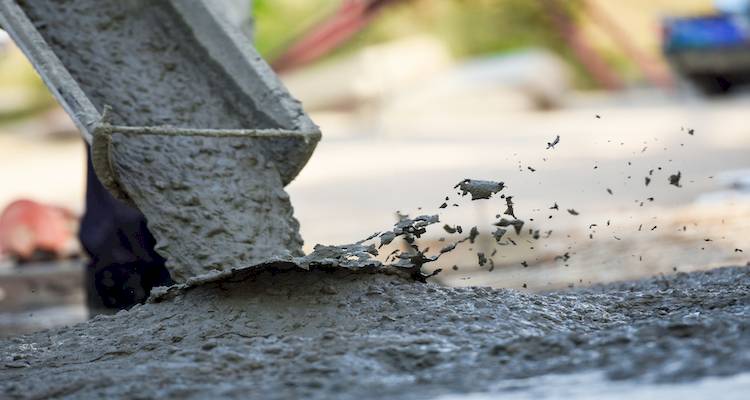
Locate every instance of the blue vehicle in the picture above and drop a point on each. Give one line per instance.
(712, 51)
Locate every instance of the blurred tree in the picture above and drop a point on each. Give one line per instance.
(277, 22)
(22, 92)
(468, 27)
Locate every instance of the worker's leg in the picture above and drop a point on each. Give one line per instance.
(124, 266)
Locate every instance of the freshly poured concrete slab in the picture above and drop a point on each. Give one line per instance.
(280, 332)
(147, 79)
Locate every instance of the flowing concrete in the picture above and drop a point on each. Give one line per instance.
(222, 193)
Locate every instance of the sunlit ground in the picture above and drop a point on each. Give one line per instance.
(355, 182)
(366, 169)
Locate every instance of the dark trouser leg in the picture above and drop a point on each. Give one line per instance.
(124, 265)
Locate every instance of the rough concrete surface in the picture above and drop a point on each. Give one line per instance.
(213, 203)
(278, 331)
(190, 124)
(141, 60)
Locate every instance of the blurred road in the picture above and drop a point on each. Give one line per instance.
(364, 171)
(372, 164)
(368, 166)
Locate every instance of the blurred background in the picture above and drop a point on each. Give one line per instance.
(412, 97)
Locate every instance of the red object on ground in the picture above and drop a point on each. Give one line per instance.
(28, 227)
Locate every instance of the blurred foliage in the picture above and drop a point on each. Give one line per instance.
(471, 27)
(22, 92)
(468, 27)
(278, 22)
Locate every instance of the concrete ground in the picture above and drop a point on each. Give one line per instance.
(280, 332)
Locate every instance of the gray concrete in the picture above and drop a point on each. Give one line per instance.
(149, 64)
(146, 71)
(213, 203)
(280, 332)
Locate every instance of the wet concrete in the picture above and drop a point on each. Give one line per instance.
(188, 123)
(279, 331)
(479, 189)
(213, 203)
(159, 76)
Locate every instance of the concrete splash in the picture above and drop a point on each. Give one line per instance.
(479, 189)
(222, 192)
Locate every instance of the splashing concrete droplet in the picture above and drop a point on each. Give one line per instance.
(479, 189)
(674, 179)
